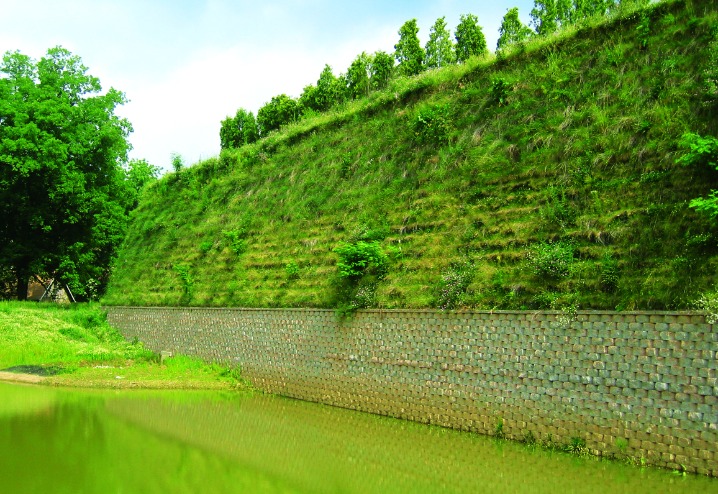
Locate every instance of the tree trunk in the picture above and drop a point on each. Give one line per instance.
(21, 287)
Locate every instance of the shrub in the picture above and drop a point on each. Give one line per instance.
(235, 239)
(432, 125)
(708, 302)
(551, 260)
(360, 258)
(500, 89)
(292, 270)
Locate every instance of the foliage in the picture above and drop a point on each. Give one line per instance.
(708, 302)
(281, 110)
(329, 90)
(512, 30)
(544, 17)
(408, 51)
(360, 258)
(292, 270)
(470, 39)
(358, 76)
(551, 259)
(710, 74)
(237, 131)
(138, 175)
(500, 89)
(177, 162)
(643, 31)
(455, 281)
(439, 49)
(701, 151)
(432, 125)
(63, 191)
(185, 275)
(236, 240)
(381, 67)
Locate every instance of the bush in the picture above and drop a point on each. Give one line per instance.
(551, 260)
(708, 302)
(360, 258)
(235, 239)
(500, 89)
(432, 125)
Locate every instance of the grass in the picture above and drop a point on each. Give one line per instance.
(580, 150)
(77, 341)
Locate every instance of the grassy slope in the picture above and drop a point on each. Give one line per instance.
(78, 339)
(582, 152)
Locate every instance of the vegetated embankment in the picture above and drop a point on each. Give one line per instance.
(542, 178)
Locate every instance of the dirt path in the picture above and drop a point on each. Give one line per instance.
(21, 378)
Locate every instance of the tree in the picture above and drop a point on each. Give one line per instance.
(329, 90)
(238, 131)
(381, 67)
(439, 49)
(358, 76)
(408, 51)
(512, 30)
(470, 39)
(281, 110)
(139, 174)
(62, 186)
(544, 17)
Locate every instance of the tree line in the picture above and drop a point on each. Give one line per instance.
(372, 72)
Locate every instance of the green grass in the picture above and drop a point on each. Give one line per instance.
(77, 339)
(581, 151)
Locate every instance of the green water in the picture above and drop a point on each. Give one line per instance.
(62, 441)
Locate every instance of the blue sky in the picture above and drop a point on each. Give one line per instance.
(185, 65)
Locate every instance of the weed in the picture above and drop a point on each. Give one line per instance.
(708, 302)
(500, 89)
(608, 278)
(236, 240)
(432, 125)
(499, 429)
(552, 260)
(452, 287)
(205, 247)
(292, 270)
(183, 271)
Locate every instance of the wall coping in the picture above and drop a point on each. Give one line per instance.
(414, 311)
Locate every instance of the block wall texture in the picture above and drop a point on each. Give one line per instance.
(636, 384)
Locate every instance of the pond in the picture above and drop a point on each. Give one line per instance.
(72, 441)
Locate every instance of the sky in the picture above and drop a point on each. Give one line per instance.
(185, 65)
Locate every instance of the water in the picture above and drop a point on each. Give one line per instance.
(67, 441)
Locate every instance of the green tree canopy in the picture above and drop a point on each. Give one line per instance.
(470, 39)
(62, 185)
(544, 17)
(238, 131)
(358, 76)
(281, 110)
(408, 51)
(439, 48)
(512, 30)
(381, 67)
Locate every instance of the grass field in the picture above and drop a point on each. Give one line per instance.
(76, 341)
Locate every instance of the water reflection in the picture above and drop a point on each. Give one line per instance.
(226, 442)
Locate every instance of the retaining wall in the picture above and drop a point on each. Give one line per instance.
(628, 384)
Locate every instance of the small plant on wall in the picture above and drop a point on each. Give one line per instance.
(360, 267)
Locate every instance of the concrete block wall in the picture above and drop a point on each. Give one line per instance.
(638, 384)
